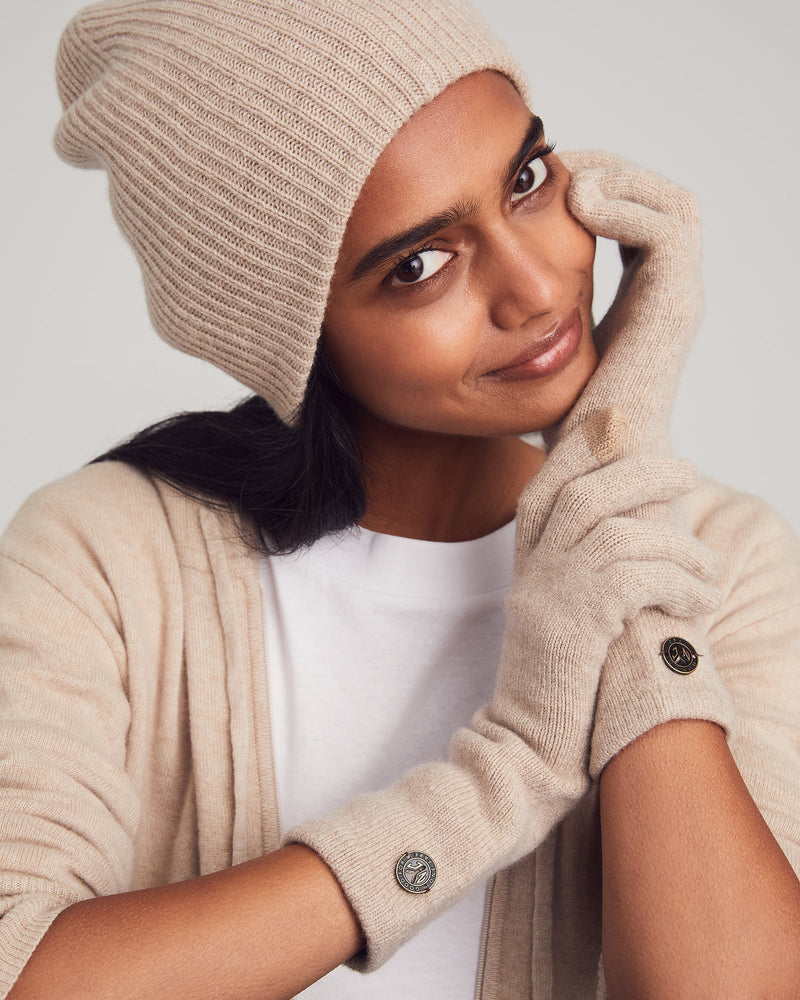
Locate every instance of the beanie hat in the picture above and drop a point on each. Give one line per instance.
(237, 135)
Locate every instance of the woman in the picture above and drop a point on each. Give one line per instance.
(404, 202)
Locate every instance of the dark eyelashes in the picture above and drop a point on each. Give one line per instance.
(406, 257)
(535, 154)
(544, 151)
(398, 262)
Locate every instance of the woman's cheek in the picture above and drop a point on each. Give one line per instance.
(578, 245)
(585, 246)
(583, 243)
(575, 244)
(422, 356)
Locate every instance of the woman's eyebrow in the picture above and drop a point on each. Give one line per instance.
(460, 212)
(389, 248)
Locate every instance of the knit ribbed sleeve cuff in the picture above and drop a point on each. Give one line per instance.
(645, 683)
(24, 926)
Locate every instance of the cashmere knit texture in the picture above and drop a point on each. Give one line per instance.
(644, 341)
(522, 764)
(237, 135)
(645, 337)
(135, 740)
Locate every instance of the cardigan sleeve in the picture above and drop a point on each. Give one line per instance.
(755, 641)
(755, 644)
(68, 810)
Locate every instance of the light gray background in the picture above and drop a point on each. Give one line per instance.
(705, 92)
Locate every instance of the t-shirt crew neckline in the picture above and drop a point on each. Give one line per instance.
(394, 564)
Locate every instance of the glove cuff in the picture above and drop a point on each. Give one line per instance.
(480, 812)
(644, 684)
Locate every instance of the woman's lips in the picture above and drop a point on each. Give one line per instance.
(547, 355)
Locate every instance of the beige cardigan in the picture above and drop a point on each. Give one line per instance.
(135, 743)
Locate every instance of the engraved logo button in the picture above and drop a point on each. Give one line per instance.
(679, 655)
(415, 871)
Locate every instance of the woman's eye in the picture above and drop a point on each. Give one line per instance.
(532, 176)
(423, 264)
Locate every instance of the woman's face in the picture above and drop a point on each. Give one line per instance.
(462, 294)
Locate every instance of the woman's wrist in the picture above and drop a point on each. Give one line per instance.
(268, 928)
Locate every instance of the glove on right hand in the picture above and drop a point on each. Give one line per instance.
(582, 567)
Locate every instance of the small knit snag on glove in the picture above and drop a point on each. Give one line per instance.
(644, 340)
(522, 764)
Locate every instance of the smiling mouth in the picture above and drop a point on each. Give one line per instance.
(547, 355)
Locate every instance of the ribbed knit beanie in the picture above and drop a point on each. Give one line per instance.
(237, 135)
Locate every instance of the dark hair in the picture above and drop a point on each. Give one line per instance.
(293, 484)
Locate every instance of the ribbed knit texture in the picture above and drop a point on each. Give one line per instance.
(237, 135)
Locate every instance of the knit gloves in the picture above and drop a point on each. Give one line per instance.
(583, 566)
(604, 572)
(645, 337)
(644, 340)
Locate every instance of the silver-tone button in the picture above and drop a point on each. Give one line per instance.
(679, 655)
(415, 871)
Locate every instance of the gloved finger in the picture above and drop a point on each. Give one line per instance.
(596, 440)
(627, 587)
(645, 336)
(632, 223)
(644, 340)
(625, 539)
(586, 159)
(618, 488)
(603, 176)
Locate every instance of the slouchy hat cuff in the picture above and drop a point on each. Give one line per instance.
(237, 135)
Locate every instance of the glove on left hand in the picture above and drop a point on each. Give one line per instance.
(644, 340)
(645, 337)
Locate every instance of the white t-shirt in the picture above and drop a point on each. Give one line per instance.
(379, 648)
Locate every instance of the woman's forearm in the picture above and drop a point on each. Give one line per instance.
(258, 931)
(699, 901)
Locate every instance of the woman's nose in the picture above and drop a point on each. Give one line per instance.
(524, 283)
